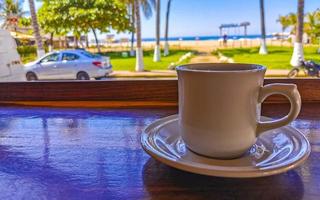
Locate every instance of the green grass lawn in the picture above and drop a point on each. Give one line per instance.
(278, 57)
(120, 63)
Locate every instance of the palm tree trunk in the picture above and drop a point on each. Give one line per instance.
(157, 53)
(166, 43)
(87, 41)
(281, 36)
(76, 42)
(139, 52)
(96, 38)
(298, 45)
(51, 42)
(132, 52)
(263, 46)
(66, 42)
(60, 42)
(300, 21)
(36, 29)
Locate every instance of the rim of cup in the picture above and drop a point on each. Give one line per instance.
(221, 67)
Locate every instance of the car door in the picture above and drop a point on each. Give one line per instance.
(68, 65)
(47, 67)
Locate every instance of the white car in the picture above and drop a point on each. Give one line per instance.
(68, 64)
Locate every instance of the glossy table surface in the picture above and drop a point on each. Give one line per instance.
(55, 153)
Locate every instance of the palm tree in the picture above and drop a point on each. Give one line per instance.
(292, 20)
(94, 31)
(285, 23)
(139, 51)
(25, 22)
(147, 6)
(166, 43)
(263, 46)
(157, 51)
(317, 15)
(132, 21)
(147, 11)
(312, 26)
(36, 29)
(298, 46)
(10, 12)
(134, 10)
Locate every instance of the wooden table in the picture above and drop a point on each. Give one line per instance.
(59, 153)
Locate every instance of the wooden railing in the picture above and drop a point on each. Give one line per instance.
(121, 93)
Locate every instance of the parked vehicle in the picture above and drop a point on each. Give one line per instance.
(68, 64)
(11, 68)
(310, 68)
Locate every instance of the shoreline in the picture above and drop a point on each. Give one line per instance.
(198, 45)
(206, 38)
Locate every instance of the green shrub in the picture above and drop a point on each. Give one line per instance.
(27, 50)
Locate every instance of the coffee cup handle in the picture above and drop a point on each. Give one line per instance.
(288, 90)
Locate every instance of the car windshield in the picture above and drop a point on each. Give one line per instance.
(90, 55)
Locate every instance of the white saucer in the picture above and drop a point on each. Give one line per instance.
(275, 152)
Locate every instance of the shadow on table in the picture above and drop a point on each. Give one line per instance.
(163, 182)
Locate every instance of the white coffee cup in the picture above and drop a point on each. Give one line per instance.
(219, 107)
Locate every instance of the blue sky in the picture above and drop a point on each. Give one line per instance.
(203, 17)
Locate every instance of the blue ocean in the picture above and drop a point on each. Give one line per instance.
(192, 38)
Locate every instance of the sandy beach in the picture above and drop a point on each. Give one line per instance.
(198, 45)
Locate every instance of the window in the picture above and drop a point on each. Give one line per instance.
(89, 55)
(69, 57)
(120, 58)
(51, 58)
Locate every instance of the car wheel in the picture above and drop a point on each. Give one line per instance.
(31, 76)
(83, 76)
